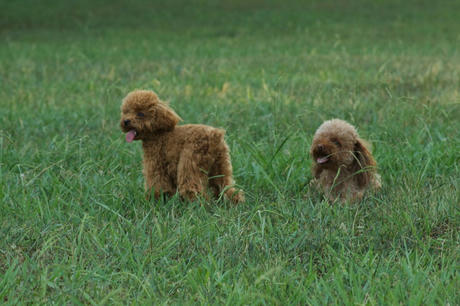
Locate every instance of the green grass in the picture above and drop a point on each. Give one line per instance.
(74, 224)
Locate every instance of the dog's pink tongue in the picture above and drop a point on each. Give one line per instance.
(130, 135)
(322, 160)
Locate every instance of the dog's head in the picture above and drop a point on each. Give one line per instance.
(143, 114)
(337, 144)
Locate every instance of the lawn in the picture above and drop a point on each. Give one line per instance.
(75, 226)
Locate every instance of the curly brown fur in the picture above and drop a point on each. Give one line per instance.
(343, 166)
(189, 158)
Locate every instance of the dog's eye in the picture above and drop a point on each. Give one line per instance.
(140, 114)
(335, 141)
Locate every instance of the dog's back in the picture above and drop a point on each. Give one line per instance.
(197, 136)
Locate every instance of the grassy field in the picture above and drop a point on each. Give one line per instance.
(74, 224)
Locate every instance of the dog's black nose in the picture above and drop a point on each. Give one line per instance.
(127, 122)
(320, 148)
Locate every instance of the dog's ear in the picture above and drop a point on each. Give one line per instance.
(166, 118)
(364, 163)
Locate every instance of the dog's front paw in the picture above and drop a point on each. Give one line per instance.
(236, 196)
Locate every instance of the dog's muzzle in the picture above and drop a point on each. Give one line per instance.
(320, 154)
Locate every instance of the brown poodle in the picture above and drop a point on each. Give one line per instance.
(343, 166)
(186, 158)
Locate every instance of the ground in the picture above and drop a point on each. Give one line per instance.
(74, 222)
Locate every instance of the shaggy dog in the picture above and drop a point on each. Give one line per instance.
(186, 158)
(343, 166)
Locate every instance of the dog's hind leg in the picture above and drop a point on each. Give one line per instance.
(221, 178)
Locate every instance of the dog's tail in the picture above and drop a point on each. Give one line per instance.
(216, 137)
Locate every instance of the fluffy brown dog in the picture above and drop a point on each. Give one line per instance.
(343, 166)
(186, 158)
